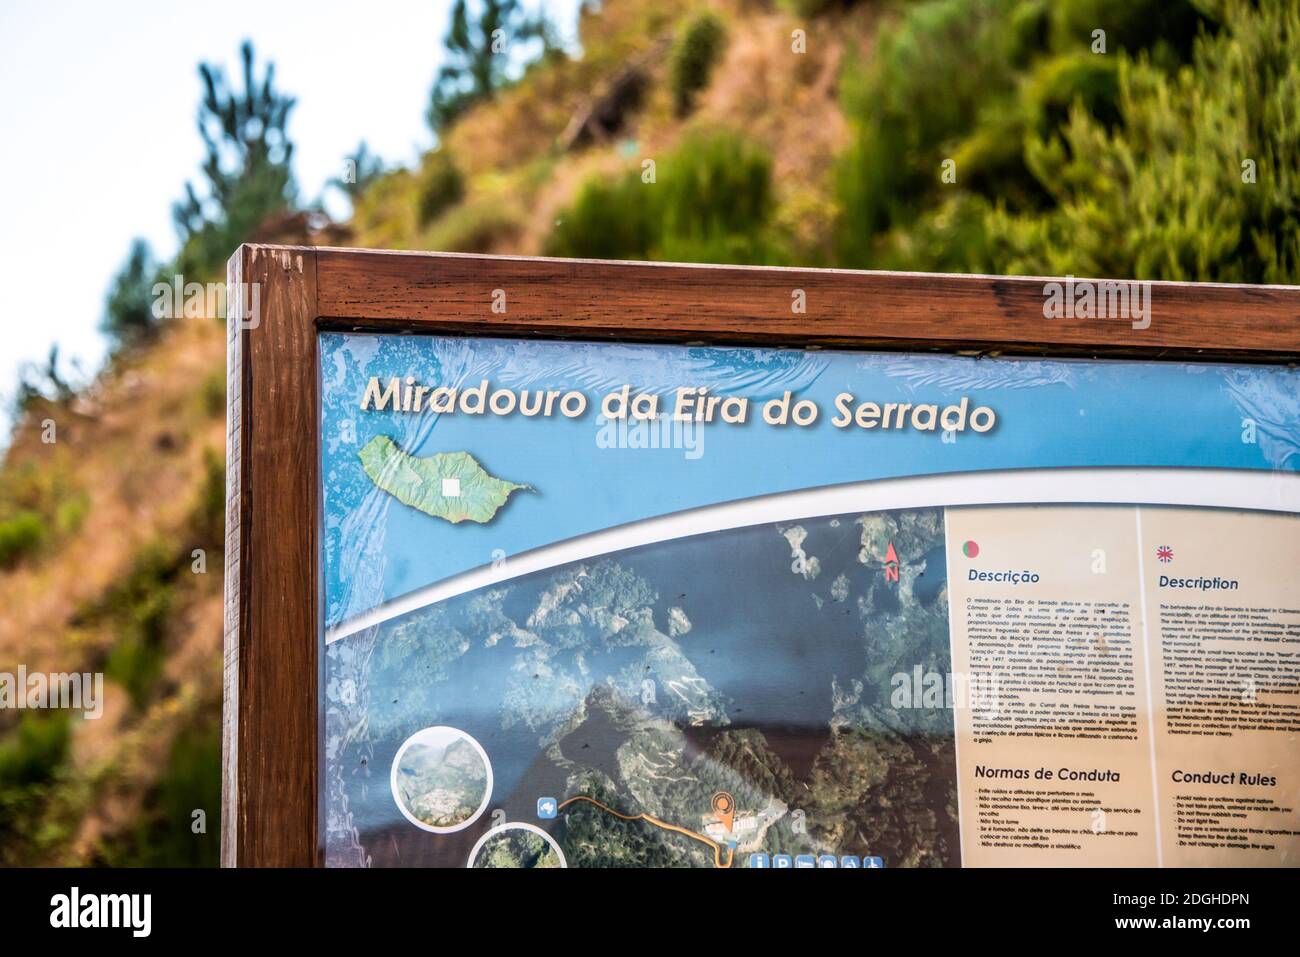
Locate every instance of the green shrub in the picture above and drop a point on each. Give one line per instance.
(20, 535)
(1164, 194)
(1130, 25)
(439, 186)
(36, 750)
(716, 195)
(208, 518)
(40, 502)
(34, 484)
(991, 85)
(136, 609)
(1029, 27)
(934, 73)
(608, 220)
(952, 237)
(991, 160)
(387, 215)
(475, 227)
(136, 664)
(164, 836)
(32, 758)
(1062, 82)
(696, 49)
(712, 201)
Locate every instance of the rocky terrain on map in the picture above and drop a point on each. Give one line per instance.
(442, 786)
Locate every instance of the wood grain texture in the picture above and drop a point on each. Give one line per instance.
(661, 302)
(271, 754)
(272, 660)
(234, 593)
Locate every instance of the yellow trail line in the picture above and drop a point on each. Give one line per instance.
(717, 848)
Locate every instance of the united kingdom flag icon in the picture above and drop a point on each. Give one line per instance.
(1164, 553)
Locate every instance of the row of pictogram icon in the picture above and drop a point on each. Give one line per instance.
(781, 861)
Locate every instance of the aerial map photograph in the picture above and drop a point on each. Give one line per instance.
(633, 713)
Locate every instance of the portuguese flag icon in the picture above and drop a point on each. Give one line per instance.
(970, 549)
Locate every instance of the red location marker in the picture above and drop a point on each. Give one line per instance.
(724, 805)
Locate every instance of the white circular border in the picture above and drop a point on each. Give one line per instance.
(515, 826)
(401, 805)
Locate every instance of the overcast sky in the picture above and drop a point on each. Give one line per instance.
(98, 120)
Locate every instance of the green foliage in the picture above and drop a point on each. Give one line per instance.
(717, 200)
(34, 754)
(596, 839)
(477, 61)
(128, 315)
(711, 201)
(1130, 25)
(811, 8)
(991, 159)
(20, 535)
(136, 665)
(1166, 194)
(1013, 94)
(1062, 82)
(164, 836)
(475, 227)
(136, 608)
(934, 73)
(439, 186)
(32, 757)
(1029, 26)
(208, 518)
(608, 220)
(39, 503)
(247, 166)
(696, 49)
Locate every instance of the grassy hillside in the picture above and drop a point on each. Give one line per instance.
(974, 135)
(131, 487)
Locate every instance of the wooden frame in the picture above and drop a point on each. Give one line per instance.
(281, 297)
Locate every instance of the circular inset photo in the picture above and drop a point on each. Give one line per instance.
(517, 845)
(441, 779)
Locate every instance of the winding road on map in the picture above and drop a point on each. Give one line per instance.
(717, 848)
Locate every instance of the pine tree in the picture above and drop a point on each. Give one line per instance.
(247, 170)
(128, 313)
(479, 55)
